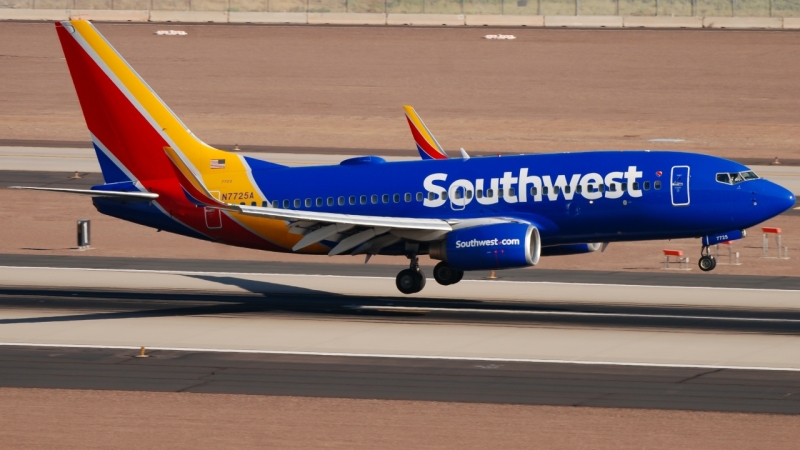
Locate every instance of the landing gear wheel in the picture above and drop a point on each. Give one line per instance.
(445, 275)
(707, 263)
(410, 281)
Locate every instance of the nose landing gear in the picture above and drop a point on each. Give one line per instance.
(707, 262)
(445, 275)
(411, 280)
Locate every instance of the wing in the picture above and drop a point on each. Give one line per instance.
(358, 233)
(427, 145)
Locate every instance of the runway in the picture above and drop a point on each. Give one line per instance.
(741, 344)
(401, 379)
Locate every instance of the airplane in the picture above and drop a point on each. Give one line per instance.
(481, 213)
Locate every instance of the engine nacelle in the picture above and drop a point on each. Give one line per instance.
(571, 249)
(497, 246)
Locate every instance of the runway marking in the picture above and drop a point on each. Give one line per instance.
(180, 272)
(422, 309)
(400, 356)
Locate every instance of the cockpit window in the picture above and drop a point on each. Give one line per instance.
(736, 177)
(749, 176)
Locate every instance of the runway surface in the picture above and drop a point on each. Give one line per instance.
(581, 338)
(402, 379)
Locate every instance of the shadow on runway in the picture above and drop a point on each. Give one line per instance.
(287, 301)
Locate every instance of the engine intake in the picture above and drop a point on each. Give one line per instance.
(497, 246)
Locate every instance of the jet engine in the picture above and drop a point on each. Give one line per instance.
(496, 246)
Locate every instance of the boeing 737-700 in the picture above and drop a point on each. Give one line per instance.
(475, 213)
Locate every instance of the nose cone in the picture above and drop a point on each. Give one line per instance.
(777, 198)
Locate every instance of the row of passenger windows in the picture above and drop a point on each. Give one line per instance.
(460, 193)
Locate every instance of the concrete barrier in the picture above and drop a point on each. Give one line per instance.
(742, 22)
(496, 20)
(791, 23)
(188, 16)
(34, 14)
(662, 22)
(425, 19)
(109, 15)
(267, 17)
(347, 18)
(583, 21)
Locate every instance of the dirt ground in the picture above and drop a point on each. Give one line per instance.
(40, 418)
(729, 93)
(50, 229)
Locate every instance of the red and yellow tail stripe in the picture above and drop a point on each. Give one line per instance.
(427, 145)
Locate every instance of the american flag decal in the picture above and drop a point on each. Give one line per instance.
(217, 163)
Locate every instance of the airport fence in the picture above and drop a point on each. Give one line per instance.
(646, 8)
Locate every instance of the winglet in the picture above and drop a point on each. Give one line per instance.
(427, 145)
(191, 183)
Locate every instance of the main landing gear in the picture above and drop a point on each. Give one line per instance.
(411, 280)
(707, 262)
(445, 275)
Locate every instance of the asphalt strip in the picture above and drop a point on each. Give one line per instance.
(553, 283)
(390, 356)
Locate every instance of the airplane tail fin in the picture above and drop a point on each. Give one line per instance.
(427, 145)
(129, 124)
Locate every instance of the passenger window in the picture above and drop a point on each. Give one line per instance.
(419, 196)
(363, 200)
(623, 187)
(469, 195)
(275, 203)
(385, 198)
(612, 187)
(251, 203)
(635, 185)
(567, 189)
(500, 193)
(545, 190)
(264, 204)
(444, 195)
(242, 203)
(556, 189)
(407, 197)
(374, 199)
(646, 185)
(308, 203)
(431, 196)
(352, 200)
(286, 204)
(457, 194)
(297, 203)
(657, 185)
(479, 193)
(396, 198)
(579, 189)
(534, 191)
(341, 201)
(489, 193)
(319, 202)
(601, 187)
(330, 201)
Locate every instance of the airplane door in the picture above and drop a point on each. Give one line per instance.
(213, 218)
(458, 198)
(679, 185)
